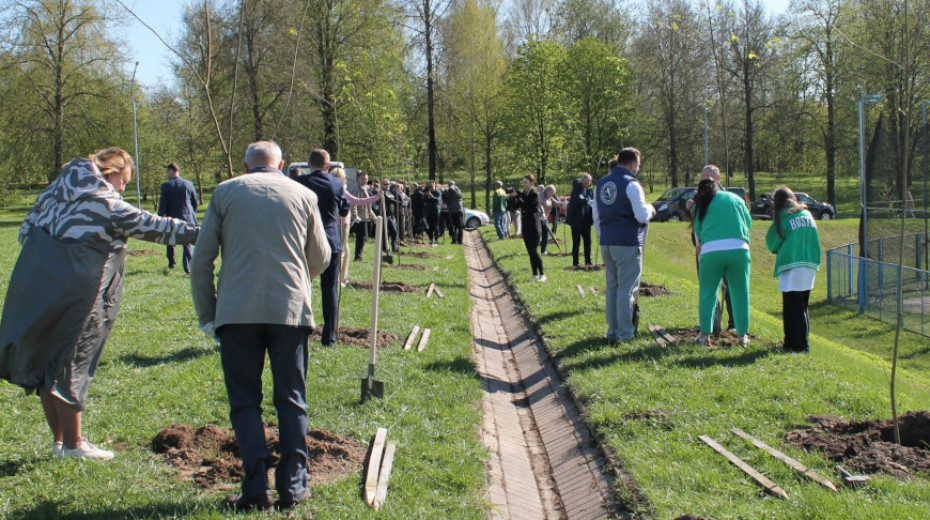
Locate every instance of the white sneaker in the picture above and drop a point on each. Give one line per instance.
(744, 340)
(542, 278)
(703, 339)
(57, 448)
(86, 450)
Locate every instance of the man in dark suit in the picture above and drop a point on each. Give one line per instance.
(178, 200)
(333, 204)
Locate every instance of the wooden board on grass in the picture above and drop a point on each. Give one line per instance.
(423, 339)
(384, 475)
(769, 486)
(795, 465)
(413, 334)
(580, 289)
(429, 292)
(374, 465)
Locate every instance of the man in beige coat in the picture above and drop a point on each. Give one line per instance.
(271, 234)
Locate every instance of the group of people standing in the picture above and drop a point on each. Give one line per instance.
(619, 213)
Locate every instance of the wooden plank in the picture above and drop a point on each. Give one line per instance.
(429, 292)
(580, 290)
(423, 339)
(669, 339)
(374, 465)
(795, 465)
(655, 331)
(413, 334)
(593, 290)
(761, 479)
(384, 475)
(438, 292)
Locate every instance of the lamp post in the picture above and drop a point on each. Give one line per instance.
(135, 134)
(863, 199)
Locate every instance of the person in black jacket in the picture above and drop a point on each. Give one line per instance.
(178, 200)
(530, 215)
(579, 217)
(333, 204)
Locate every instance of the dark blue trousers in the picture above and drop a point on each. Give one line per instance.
(242, 351)
(329, 286)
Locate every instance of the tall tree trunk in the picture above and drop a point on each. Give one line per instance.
(430, 94)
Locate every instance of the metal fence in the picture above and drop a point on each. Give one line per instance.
(870, 286)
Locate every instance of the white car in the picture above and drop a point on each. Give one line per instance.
(475, 219)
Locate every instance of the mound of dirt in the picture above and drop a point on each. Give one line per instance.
(868, 446)
(358, 337)
(210, 457)
(647, 289)
(143, 252)
(723, 339)
(400, 287)
(408, 267)
(422, 254)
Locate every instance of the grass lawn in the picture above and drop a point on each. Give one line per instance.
(698, 392)
(158, 370)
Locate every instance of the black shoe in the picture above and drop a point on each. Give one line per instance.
(288, 504)
(358, 259)
(238, 502)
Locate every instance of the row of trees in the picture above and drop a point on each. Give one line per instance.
(438, 88)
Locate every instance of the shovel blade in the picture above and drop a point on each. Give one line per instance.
(372, 388)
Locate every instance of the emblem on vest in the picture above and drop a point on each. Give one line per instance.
(608, 193)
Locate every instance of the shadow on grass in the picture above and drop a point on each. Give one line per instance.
(727, 358)
(179, 356)
(461, 365)
(557, 316)
(49, 509)
(604, 359)
(10, 468)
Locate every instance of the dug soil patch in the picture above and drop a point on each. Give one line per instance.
(868, 446)
(722, 339)
(358, 337)
(409, 267)
(210, 457)
(647, 289)
(585, 267)
(400, 287)
(422, 254)
(143, 252)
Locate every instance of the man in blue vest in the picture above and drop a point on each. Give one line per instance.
(178, 200)
(621, 217)
(333, 204)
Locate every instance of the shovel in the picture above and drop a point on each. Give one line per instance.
(370, 386)
(387, 257)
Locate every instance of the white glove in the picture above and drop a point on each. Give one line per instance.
(209, 329)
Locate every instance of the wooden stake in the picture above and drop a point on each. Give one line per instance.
(413, 334)
(580, 290)
(761, 479)
(438, 292)
(423, 339)
(657, 334)
(384, 475)
(374, 466)
(593, 290)
(795, 465)
(429, 292)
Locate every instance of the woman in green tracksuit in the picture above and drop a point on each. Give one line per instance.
(721, 225)
(795, 239)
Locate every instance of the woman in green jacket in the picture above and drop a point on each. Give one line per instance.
(795, 239)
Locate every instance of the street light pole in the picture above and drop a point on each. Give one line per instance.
(135, 134)
(863, 199)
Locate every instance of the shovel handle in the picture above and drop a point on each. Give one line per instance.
(376, 291)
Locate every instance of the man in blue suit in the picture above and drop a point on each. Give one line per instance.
(178, 200)
(333, 204)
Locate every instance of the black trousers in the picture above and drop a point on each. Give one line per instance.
(329, 290)
(361, 233)
(457, 226)
(581, 233)
(187, 251)
(796, 321)
(531, 232)
(432, 227)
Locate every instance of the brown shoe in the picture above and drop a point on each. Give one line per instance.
(238, 502)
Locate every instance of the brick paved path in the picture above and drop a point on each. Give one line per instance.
(544, 463)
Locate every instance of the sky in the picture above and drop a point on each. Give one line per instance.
(165, 16)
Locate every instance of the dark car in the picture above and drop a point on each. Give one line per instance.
(762, 207)
(673, 204)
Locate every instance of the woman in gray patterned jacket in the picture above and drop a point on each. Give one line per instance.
(66, 287)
